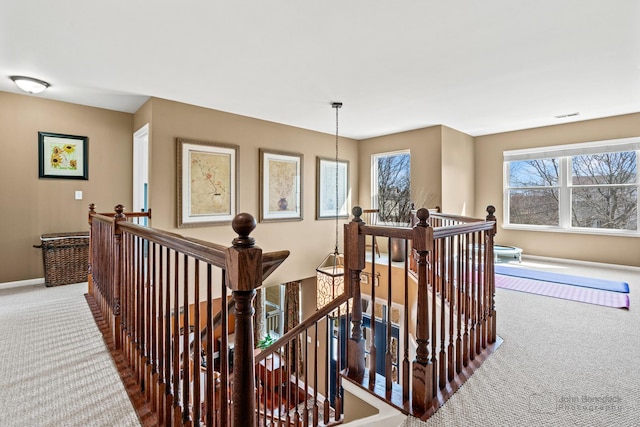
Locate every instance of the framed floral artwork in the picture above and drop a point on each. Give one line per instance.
(328, 171)
(280, 186)
(63, 156)
(207, 183)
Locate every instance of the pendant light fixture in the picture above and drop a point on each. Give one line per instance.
(330, 273)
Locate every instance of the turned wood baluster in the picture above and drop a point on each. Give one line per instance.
(468, 253)
(92, 212)
(405, 331)
(433, 280)
(354, 244)
(452, 306)
(244, 274)
(459, 312)
(422, 367)
(152, 327)
(472, 298)
(168, 341)
(175, 340)
(442, 357)
(480, 295)
(197, 362)
(117, 276)
(373, 349)
(186, 415)
(210, 406)
(225, 410)
(127, 298)
(491, 278)
(388, 355)
(160, 342)
(140, 317)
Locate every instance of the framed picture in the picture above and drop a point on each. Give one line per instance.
(63, 156)
(280, 186)
(207, 175)
(326, 206)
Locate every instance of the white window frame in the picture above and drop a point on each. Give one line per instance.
(564, 153)
(374, 172)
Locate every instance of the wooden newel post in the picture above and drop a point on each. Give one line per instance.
(491, 276)
(117, 275)
(422, 367)
(354, 244)
(244, 275)
(92, 212)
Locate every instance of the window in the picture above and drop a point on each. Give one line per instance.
(582, 187)
(391, 186)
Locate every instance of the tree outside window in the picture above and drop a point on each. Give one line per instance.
(604, 193)
(392, 187)
(594, 191)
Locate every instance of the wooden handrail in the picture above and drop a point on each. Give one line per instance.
(302, 326)
(458, 218)
(453, 230)
(387, 231)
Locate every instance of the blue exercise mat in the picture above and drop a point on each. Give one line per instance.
(565, 279)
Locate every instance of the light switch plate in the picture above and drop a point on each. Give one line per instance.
(78, 195)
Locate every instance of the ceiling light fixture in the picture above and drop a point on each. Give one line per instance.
(29, 84)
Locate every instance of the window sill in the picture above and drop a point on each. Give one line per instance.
(550, 229)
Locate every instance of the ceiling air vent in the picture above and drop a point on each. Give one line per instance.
(563, 116)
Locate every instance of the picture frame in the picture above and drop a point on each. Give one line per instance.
(326, 188)
(63, 156)
(366, 278)
(281, 184)
(207, 182)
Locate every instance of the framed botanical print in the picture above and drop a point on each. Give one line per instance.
(280, 186)
(63, 156)
(207, 175)
(327, 206)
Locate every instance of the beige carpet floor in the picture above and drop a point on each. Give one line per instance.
(55, 369)
(562, 363)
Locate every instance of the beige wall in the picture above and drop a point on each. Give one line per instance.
(488, 190)
(442, 167)
(426, 179)
(457, 173)
(309, 240)
(358, 408)
(34, 206)
(442, 173)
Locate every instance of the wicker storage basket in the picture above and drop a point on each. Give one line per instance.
(65, 257)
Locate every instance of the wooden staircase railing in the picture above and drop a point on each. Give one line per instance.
(150, 285)
(163, 296)
(447, 288)
(298, 392)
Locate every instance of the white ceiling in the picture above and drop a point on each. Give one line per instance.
(477, 66)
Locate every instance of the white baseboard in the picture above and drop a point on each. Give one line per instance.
(583, 263)
(28, 282)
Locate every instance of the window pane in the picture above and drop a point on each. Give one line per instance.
(533, 173)
(605, 207)
(393, 187)
(605, 168)
(534, 207)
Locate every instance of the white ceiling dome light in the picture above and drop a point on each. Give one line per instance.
(29, 84)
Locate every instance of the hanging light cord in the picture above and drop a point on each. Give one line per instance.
(337, 106)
